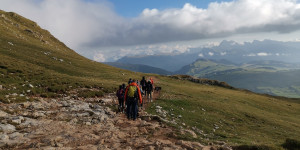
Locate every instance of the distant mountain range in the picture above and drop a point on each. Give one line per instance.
(227, 50)
(271, 77)
(262, 66)
(207, 67)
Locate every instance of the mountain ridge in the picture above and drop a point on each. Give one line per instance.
(265, 76)
(139, 68)
(228, 50)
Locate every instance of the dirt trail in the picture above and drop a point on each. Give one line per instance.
(87, 124)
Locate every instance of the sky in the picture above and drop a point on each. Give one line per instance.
(106, 30)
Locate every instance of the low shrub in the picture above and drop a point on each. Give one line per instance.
(88, 93)
(291, 144)
(48, 95)
(57, 89)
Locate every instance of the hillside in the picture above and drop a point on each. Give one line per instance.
(51, 97)
(201, 67)
(223, 114)
(32, 57)
(139, 68)
(270, 77)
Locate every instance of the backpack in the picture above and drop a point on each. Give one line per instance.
(132, 91)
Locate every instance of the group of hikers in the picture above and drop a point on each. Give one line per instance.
(132, 96)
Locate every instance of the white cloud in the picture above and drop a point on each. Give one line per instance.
(223, 53)
(99, 57)
(92, 25)
(210, 53)
(149, 12)
(201, 55)
(250, 55)
(210, 44)
(75, 22)
(112, 54)
(263, 54)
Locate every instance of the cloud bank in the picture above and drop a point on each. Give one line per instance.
(218, 20)
(74, 22)
(95, 24)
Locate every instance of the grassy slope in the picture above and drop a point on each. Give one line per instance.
(245, 117)
(139, 68)
(201, 67)
(31, 55)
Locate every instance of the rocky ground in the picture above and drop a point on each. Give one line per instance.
(72, 123)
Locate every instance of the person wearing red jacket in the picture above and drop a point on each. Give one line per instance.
(131, 98)
(151, 80)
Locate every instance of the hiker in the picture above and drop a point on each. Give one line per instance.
(143, 84)
(129, 81)
(149, 89)
(151, 80)
(120, 95)
(124, 87)
(142, 92)
(139, 85)
(132, 96)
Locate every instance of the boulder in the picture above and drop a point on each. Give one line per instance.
(3, 114)
(4, 137)
(17, 120)
(106, 100)
(15, 135)
(38, 114)
(74, 120)
(80, 107)
(158, 107)
(7, 128)
(65, 104)
(30, 85)
(36, 106)
(150, 148)
(143, 130)
(30, 122)
(25, 104)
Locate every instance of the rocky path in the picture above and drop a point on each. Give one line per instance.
(69, 123)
